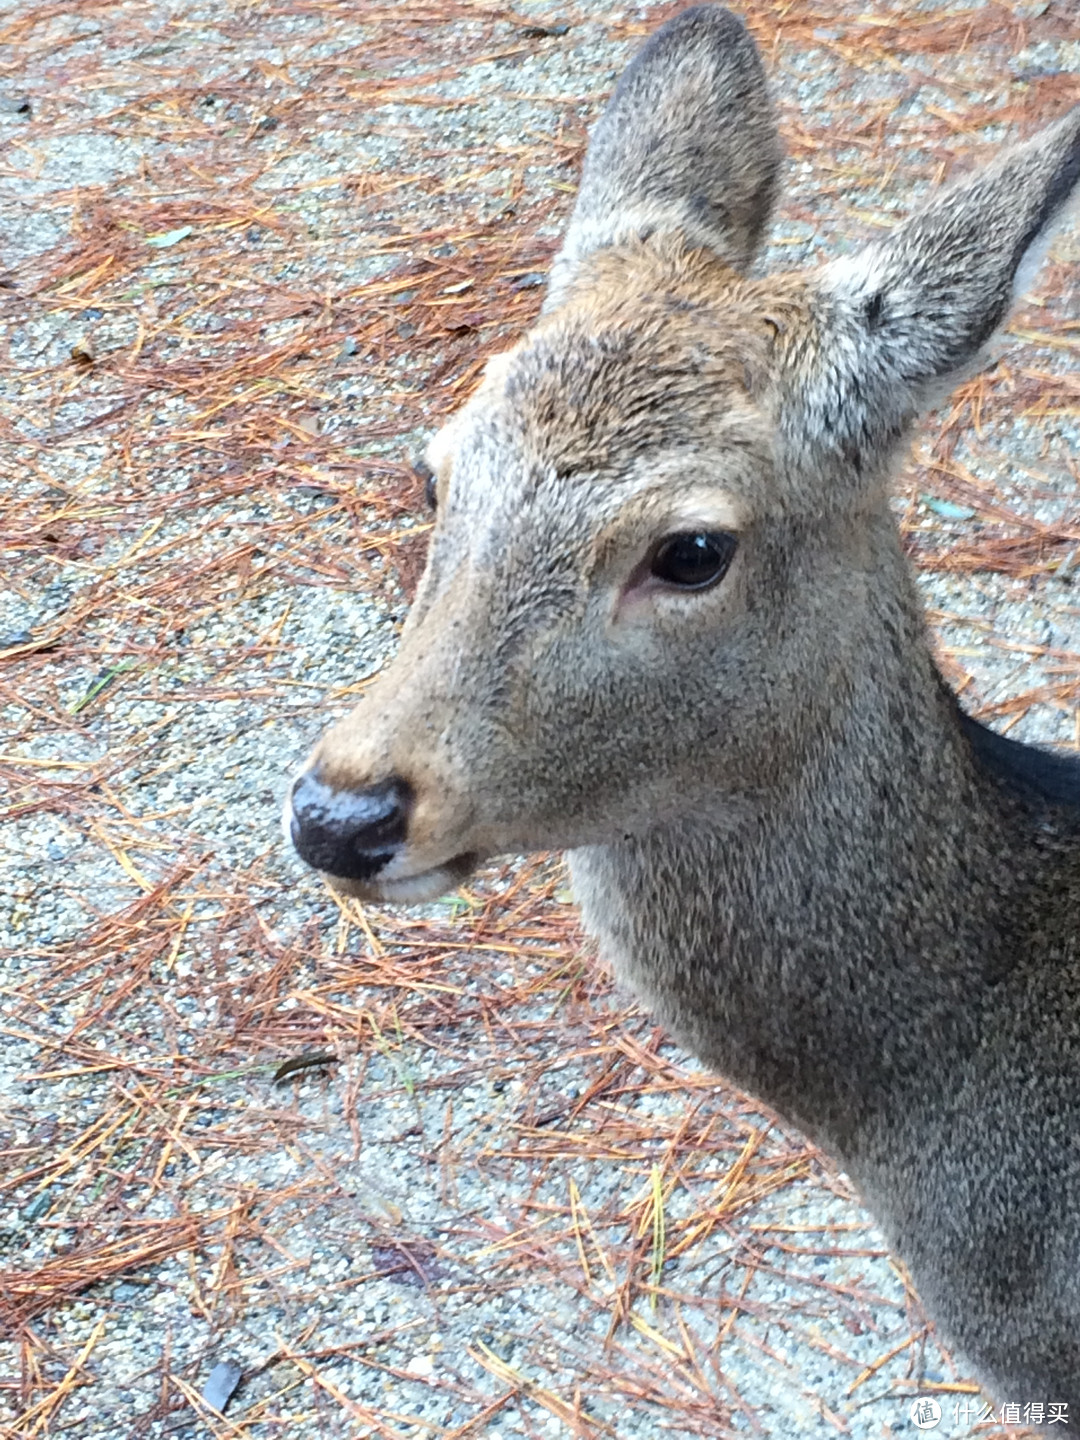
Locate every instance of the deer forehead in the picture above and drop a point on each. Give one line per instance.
(648, 375)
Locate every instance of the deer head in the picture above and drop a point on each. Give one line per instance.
(663, 541)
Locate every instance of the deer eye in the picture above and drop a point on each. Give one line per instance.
(427, 477)
(693, 561)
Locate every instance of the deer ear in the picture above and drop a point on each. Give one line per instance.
(901, 321)
(687, 144)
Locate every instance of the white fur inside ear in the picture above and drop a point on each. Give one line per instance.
(855, 277)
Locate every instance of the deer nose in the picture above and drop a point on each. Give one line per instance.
(350, 834)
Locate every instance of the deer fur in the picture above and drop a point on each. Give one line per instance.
(831, 885)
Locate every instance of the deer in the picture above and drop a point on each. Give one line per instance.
(667, 625)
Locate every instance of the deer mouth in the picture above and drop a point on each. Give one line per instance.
(409, 889)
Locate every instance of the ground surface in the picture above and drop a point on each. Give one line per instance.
(250, 253)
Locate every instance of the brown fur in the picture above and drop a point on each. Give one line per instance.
(829, 884)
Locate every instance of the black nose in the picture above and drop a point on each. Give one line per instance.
(349, 833)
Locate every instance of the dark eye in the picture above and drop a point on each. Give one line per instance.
(424, 473)
(694, 560)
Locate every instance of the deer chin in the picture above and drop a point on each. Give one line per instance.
(408, 889)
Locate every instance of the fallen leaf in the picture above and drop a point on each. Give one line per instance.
(224, 1378)
(166, 238)
(946, 509)
(411, 1264)
(307, 1061)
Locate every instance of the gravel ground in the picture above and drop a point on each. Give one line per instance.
(251, 253)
